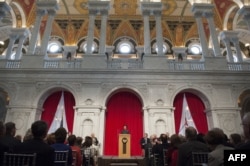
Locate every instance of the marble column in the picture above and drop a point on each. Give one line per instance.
(101, 128)
(198, 16)
(47, 32)
(225, 37)
(20, 44)
(91, 28)
(35, 31)
(147, 46)
(159, 38)
(216, 47)
(4, 8)
(13, 38)
(102, 48)
(235, 41)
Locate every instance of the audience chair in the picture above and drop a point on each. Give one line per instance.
(200, 158)
(74, 158)
(156, 159)
(61, 158)
(165, 159)
(11, 159)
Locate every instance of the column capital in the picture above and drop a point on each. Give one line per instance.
(228, 35)
(208, 14)
(40, 12)
(151, 7)
(47, 5)
(98, 6)
(157, 13)
(202, 7)
(146, 12)
(51, 12)
(104, 12)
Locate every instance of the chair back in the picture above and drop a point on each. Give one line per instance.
(61, 158)
(74, 153)
(200, 158)
(165, 159)
(11, 159)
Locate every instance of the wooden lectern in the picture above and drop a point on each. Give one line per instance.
(124, 145)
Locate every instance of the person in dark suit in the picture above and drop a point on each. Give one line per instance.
(246, 130)
(45, 153)
(192, 145)
(125, 130)
(3, 148)
(9, 140)
(143, 142)
(60, 136)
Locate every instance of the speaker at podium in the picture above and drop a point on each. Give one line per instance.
(124, 146)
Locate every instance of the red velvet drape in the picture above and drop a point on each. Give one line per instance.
(123, 108)
(50, 106)
(196, 108)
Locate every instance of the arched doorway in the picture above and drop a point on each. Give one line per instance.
(123, 108)
(189, 102)
(54, 102)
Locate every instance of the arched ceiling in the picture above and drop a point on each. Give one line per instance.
(72, 19)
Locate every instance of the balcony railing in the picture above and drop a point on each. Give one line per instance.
(147, 63)
(13, 64)
(173, 65)
(62, 64)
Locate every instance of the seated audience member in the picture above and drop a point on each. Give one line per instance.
(9, 139)
(172, 153)
(200, 137)
(246, 131)
(3, 148)
(60, 136)
(88, 152)
(77, 151)
(235, 139)
(45, 153)
(157, 150)
(28, 135)
(50, 139)
(79, 142)
(215, 140)
(191, 145)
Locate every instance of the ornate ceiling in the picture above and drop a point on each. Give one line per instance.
(125, 19)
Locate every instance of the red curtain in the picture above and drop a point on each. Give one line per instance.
(123, 108)
(50, 106)
(196, 108)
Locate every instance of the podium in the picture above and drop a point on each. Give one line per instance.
(124, 146)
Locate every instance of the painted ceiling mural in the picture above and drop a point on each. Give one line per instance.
(125, 19)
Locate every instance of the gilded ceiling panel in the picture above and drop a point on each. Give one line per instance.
(125, 7)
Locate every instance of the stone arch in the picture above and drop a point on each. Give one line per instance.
(46, 92)
(195, 90)
(244, 102)
(122, 89)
